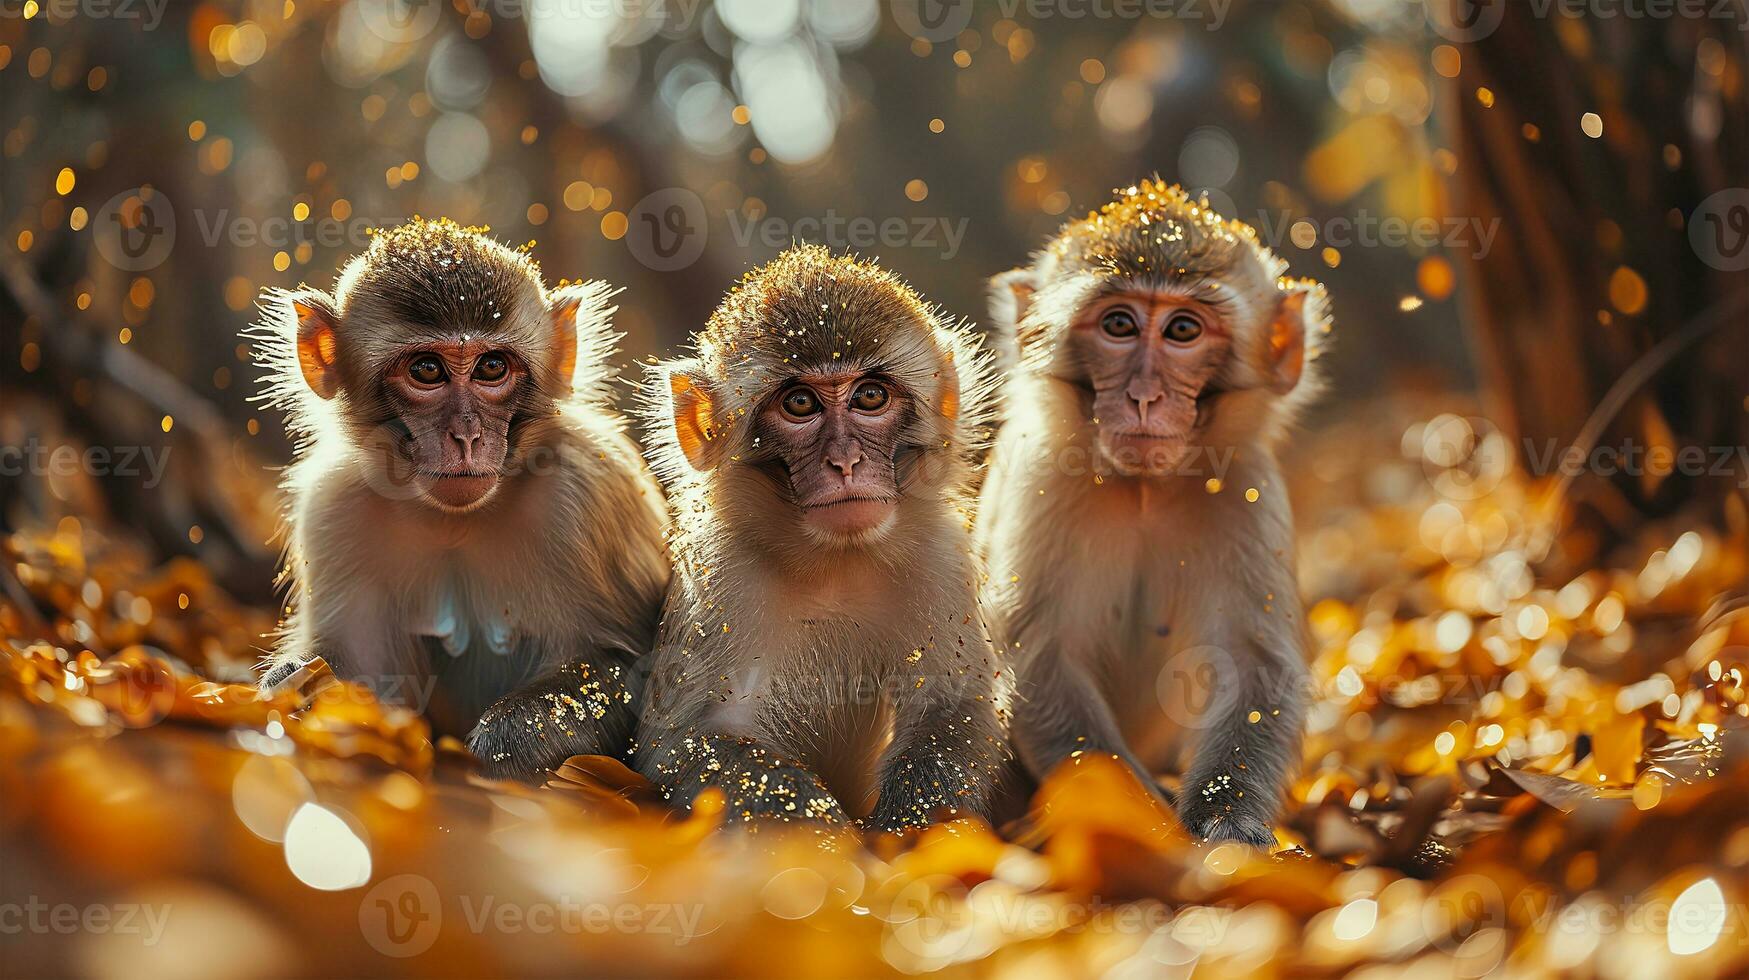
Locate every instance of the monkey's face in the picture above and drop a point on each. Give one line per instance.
(832, 441)
(1150, 360)
(455, 402)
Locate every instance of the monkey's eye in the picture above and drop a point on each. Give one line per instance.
(870, 396)
(1118, 323)
(800, 402)
(491, 367)
(1183, 328)
(427, 369)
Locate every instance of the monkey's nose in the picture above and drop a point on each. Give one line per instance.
(1142, 395)
(845, 460)
(466, 436)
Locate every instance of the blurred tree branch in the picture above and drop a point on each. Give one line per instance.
(188, 496)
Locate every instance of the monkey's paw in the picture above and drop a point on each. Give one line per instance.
(524, 739)
(506, 750)
(918, 793)
(785, 794)
(1219, 826)
(758, 785)
(278, 674)
(901, 815)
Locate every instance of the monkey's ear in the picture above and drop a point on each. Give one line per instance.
(1300, 311)
(948, 402)
(563, 314)
(694, 416)
(1011, 296)
(318, 342)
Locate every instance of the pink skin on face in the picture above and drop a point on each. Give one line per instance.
(457, 399)
(1148, 357)
(836, 435)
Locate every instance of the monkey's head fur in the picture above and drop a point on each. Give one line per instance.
(1154, 245)
(437, 360)
(827, 329)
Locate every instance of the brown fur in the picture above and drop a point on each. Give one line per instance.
(812, 678)
(526, 615)
(1154, 614)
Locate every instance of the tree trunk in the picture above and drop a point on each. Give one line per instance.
(1594, 274)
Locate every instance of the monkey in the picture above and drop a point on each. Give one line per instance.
(1134, 522)
(468, 527)
(822, 656)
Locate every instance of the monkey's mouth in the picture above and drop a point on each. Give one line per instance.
(850, 515)
(460, 491)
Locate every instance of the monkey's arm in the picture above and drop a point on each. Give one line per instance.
(1236, 779)
(1060, 711)
(355, 645)
(945, 757)
(588, 706)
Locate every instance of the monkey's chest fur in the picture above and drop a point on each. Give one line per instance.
(451, 624)
(1136, 619)
(1151, 601)
(821, 677)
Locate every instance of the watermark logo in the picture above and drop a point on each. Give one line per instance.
(135, 230)
(400, 21)
(1461, 907)
(1191, 681)
(1463, 21)
(1464, 458)
(930, 920)
(667, 230)
(1719, 230)
(934, 21)
(401, 916)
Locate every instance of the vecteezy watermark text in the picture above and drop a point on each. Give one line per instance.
(402, 916)
(1364, 229)
(150, 13)
(1472, 20)
(279, 232)
(407, 21)
(136, 230)
(1636, 459)
(1211, 14)
(36, 459)
(668, 229)
(37, 917)
(840, 232)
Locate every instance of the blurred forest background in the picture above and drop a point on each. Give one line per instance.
(1531, 644)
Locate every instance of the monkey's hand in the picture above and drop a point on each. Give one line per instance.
(583, 708)
(919, 788)
(279, 675)
(757, 784)
(1216, 819)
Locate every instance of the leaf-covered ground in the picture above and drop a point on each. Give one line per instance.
(1512, 767)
